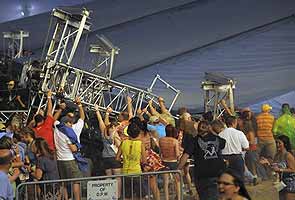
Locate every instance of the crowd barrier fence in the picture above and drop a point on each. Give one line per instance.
(97, 188)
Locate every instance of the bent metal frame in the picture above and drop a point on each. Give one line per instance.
(218, 89)
(60, 76)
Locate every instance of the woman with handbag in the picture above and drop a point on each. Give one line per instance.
(111, 141)
(284, 165)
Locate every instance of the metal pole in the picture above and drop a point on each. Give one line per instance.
(78, 36)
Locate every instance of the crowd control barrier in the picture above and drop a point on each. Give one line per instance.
(133, 186)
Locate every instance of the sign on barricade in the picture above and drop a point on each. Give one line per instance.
(102, 190)
(98, 187)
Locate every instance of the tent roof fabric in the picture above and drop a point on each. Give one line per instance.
(261, 61)
(165, 36)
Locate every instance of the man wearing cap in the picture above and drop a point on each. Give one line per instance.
(266, 142)
(156, 126)
(165, 115)
(65, 132)
(6, 191)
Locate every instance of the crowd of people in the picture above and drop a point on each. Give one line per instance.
(226, 153)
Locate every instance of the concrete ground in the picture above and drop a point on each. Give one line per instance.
(262, 191)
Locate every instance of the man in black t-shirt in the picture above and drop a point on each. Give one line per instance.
(206, 150)
(11, 98)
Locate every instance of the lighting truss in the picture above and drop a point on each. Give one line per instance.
(68, 82)
(15, 42)
(94, 89)
(218, 88)
(68, 27)
(175, 92)
(105, 56)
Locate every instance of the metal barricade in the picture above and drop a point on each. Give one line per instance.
(133, 186)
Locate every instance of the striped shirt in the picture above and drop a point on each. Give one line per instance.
(265, 123)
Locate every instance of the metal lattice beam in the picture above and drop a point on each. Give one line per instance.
(105, 58)
(69, 82)
(217, 89)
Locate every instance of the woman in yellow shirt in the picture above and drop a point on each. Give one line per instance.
(133, 152)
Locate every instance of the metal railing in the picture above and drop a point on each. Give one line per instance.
(133, 186)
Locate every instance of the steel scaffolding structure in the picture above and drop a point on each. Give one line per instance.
(68, 82)
(218, 93)
(105, 56)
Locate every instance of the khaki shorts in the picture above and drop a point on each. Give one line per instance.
(68, 169)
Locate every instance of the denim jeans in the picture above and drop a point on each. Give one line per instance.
(236, 163)
(207, 188)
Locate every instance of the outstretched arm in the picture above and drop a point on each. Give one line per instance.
(81, 110)
(140, 114)
(152, 109)
(129, 107)
(162, 105)
(102, 126)
(227, 109)
(49, 103)
(107, 116)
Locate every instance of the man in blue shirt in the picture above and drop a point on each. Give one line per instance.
(6, 191)
(157, 126)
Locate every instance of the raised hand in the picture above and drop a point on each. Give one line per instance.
(150, 102)
(129, 100)
(49, 93)
(144, 110)
(139, 111)
(78, 101)
(96, 107)
(161, 99)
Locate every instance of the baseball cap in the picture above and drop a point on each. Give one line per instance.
(2, 127)
(154, 119)
(266, 107)
(10, 82)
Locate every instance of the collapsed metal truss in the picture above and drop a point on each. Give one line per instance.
(15, 42)
(94, 89)
(218, 89)
(69, 82)
(67, 26)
